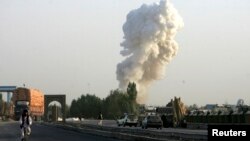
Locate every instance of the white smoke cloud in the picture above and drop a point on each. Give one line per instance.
(148, 45)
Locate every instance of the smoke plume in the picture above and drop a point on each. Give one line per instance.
(148, 45)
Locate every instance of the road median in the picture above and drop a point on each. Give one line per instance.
(131, 133)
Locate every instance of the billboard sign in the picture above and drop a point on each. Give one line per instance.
(7, 88)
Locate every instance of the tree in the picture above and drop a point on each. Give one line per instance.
(87, 106)
(131, 91)
(74, 109)
(115, 104)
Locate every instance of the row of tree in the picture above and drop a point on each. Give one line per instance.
(113, 106)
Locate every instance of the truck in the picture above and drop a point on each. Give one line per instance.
(173, 114)
(30, 99)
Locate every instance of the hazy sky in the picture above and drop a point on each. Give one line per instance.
(72, 47)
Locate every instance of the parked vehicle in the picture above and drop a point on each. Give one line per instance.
(127, 120)
(152, 121)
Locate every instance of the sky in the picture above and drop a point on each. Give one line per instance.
(73, 47)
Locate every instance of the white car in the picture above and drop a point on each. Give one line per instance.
(127, 120)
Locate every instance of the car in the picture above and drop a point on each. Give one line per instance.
(152, 121)
(127, 120)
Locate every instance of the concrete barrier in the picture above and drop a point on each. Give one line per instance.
(132, 134)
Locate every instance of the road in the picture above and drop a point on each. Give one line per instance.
(10, 131)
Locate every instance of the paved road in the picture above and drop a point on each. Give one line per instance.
(9, 131)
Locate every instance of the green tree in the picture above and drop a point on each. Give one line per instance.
(90, 106)
(113, 106)
(74, 109)
(87, 106)
(131, 91)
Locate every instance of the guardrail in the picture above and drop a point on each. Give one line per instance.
(133, 133)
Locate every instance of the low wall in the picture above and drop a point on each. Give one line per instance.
(132, 134)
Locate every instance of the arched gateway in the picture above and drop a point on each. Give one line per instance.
(50, 98)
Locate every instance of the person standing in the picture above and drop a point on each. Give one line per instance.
(100, 118)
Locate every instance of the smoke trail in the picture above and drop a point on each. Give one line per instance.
(148, 45)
